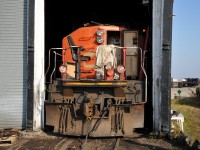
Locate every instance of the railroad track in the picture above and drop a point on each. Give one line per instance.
(55, 142)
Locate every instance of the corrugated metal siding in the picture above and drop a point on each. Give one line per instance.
(13, 63)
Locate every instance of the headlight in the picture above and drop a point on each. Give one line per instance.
(120, 68)
(110, 72)
(99, 32)
(62, 69)
(99, 40)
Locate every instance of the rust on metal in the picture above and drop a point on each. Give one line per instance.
(95, 83)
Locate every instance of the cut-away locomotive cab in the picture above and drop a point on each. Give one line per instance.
(103, 82)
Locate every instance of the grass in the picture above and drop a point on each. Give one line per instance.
(190, 108)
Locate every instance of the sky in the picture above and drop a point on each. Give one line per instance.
(186, 39)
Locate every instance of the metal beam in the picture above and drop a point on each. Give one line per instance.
(157, 61)
(30, 69)
(166, 66)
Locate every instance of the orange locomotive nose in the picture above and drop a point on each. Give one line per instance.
(83, 60)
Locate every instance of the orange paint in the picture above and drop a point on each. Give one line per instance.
(86, 37)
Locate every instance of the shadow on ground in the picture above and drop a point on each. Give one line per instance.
(190, 101)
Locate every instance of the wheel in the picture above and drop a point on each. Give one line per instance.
(180, 85)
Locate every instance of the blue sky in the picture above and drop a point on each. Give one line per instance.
(186, 39)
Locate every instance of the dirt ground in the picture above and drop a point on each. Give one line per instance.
(44, 141)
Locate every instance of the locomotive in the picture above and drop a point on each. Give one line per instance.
(102, 87)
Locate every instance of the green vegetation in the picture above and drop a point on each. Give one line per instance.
(190, 108)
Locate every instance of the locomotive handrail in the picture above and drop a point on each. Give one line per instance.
(54, 67)
(142, 66)
(50, 59)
